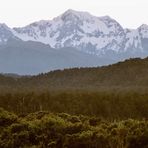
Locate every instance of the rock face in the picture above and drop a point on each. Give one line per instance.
(73, 39)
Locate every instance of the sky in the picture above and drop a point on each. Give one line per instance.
(18, 13)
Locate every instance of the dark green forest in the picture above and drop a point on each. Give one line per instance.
(102, 107)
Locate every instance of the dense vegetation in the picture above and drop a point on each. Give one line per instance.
(43, 130)
(108, 107)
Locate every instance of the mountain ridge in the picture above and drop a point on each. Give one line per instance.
(85, 32)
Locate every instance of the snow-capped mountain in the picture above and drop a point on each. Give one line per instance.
(76, 29)
(81, 30)
(73, 39)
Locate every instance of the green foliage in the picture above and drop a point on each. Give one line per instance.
(60, 130)
(7, 118)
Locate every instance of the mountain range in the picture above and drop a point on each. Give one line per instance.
(73, 39)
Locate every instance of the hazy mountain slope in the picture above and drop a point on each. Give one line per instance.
(32, 58)
(6, 33)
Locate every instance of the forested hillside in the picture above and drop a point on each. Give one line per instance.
(104, 107)
(114, 91)
(130, 73)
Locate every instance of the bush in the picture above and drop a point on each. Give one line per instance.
(64, 130)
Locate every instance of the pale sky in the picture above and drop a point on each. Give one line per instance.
(129, 13)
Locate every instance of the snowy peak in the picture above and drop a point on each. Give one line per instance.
(114, 26)
(134, 37)
(74, 16)
(133, 40)
(143, 27)
(5, 33)
(104, 24)
(83, 31)
(4, 26)
(75, 29)
(143, 31)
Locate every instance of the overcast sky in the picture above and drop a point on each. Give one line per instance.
(129, 13)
